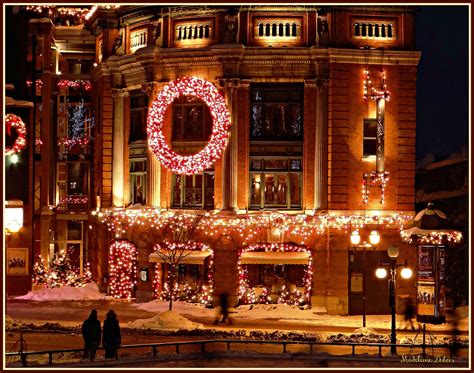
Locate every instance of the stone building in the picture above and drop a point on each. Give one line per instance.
(322, 106)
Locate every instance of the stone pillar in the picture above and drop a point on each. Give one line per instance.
(153, 180)
(153, 164)
(321, 150)
(118, 149)
(229, 157)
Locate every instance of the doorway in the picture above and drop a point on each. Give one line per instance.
(377, 292)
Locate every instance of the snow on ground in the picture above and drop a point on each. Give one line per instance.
(182, 308)
(284, 312)
(165, 320)
(88, 292)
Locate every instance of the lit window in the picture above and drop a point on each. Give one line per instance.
(370, 137)
(138, 115)
(194, 191)
(275, 182)
(138, 175)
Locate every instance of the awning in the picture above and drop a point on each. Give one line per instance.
(271, 257)
(188, 256)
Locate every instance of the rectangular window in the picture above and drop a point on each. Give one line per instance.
(138, 115)
(275, 183)
(138, 171)
(192, 120)
(194, 191)
(276, 112)
(370, 137)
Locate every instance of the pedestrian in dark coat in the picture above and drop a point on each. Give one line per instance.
(224, 309)
(111, 338)
(91, 335)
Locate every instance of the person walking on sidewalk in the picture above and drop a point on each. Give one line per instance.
(91, 335)
(112, 337)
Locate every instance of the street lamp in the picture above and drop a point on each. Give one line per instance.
(374, 239)
(381, 273)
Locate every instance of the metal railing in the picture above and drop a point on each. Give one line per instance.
(203, 343)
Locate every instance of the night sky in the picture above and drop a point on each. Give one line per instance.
(442, 85)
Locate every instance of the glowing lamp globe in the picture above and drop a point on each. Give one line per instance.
(381, 273)
(406, 273)
(355, 238)
(374, 238)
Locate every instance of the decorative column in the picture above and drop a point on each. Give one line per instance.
(118, 148)
(321, 148)
(229, 158)
(153, 164)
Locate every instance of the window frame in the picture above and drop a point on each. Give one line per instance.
(367, 121)
(182, 197)
(266, 172)
(133, 179)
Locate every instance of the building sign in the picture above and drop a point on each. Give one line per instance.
(425, 263)
(357, 282)
(17, 261)
(426, 299)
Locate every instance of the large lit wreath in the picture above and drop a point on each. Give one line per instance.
(14, 121)
(198, 162)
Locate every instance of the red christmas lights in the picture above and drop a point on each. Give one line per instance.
(196, 163)
(122, 269)
(204, 294)
(246, 293)
(79, 83)
(14, 121)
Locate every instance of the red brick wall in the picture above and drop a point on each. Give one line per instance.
(347, 110)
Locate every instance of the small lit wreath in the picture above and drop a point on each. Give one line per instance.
(14, 121)
(196, 163)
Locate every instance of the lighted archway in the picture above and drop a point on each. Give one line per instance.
(272, 253)
(122, 269)
(176, 253)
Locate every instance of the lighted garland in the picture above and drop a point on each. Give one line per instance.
(204, 294)
(196, 163)
(122, 269)
(86, 85)
(432, 238)
(247, 294)
(373, 93)
(14, 121)
(369, 180)
(247, 227)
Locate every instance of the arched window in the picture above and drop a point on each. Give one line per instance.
(383, 31)
(274, 29)
(190, 34)
(201, 31)
(389, 31)
(377, 30)
(364, 30)
(185, 33)
(267, 29)
(179, 33)
(206, 32)
(195, 32)
(260, 29)
(280, 29)
(371, 31)
(294, 29)
(287, 31)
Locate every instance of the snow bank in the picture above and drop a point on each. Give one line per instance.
(182, 308)
(165, 320)
(8, 321)
(88, 292)
(272, 311)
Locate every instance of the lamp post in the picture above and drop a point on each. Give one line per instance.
(381, 273)
(374, 239)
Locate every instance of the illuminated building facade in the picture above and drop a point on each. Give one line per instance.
(322, 108)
